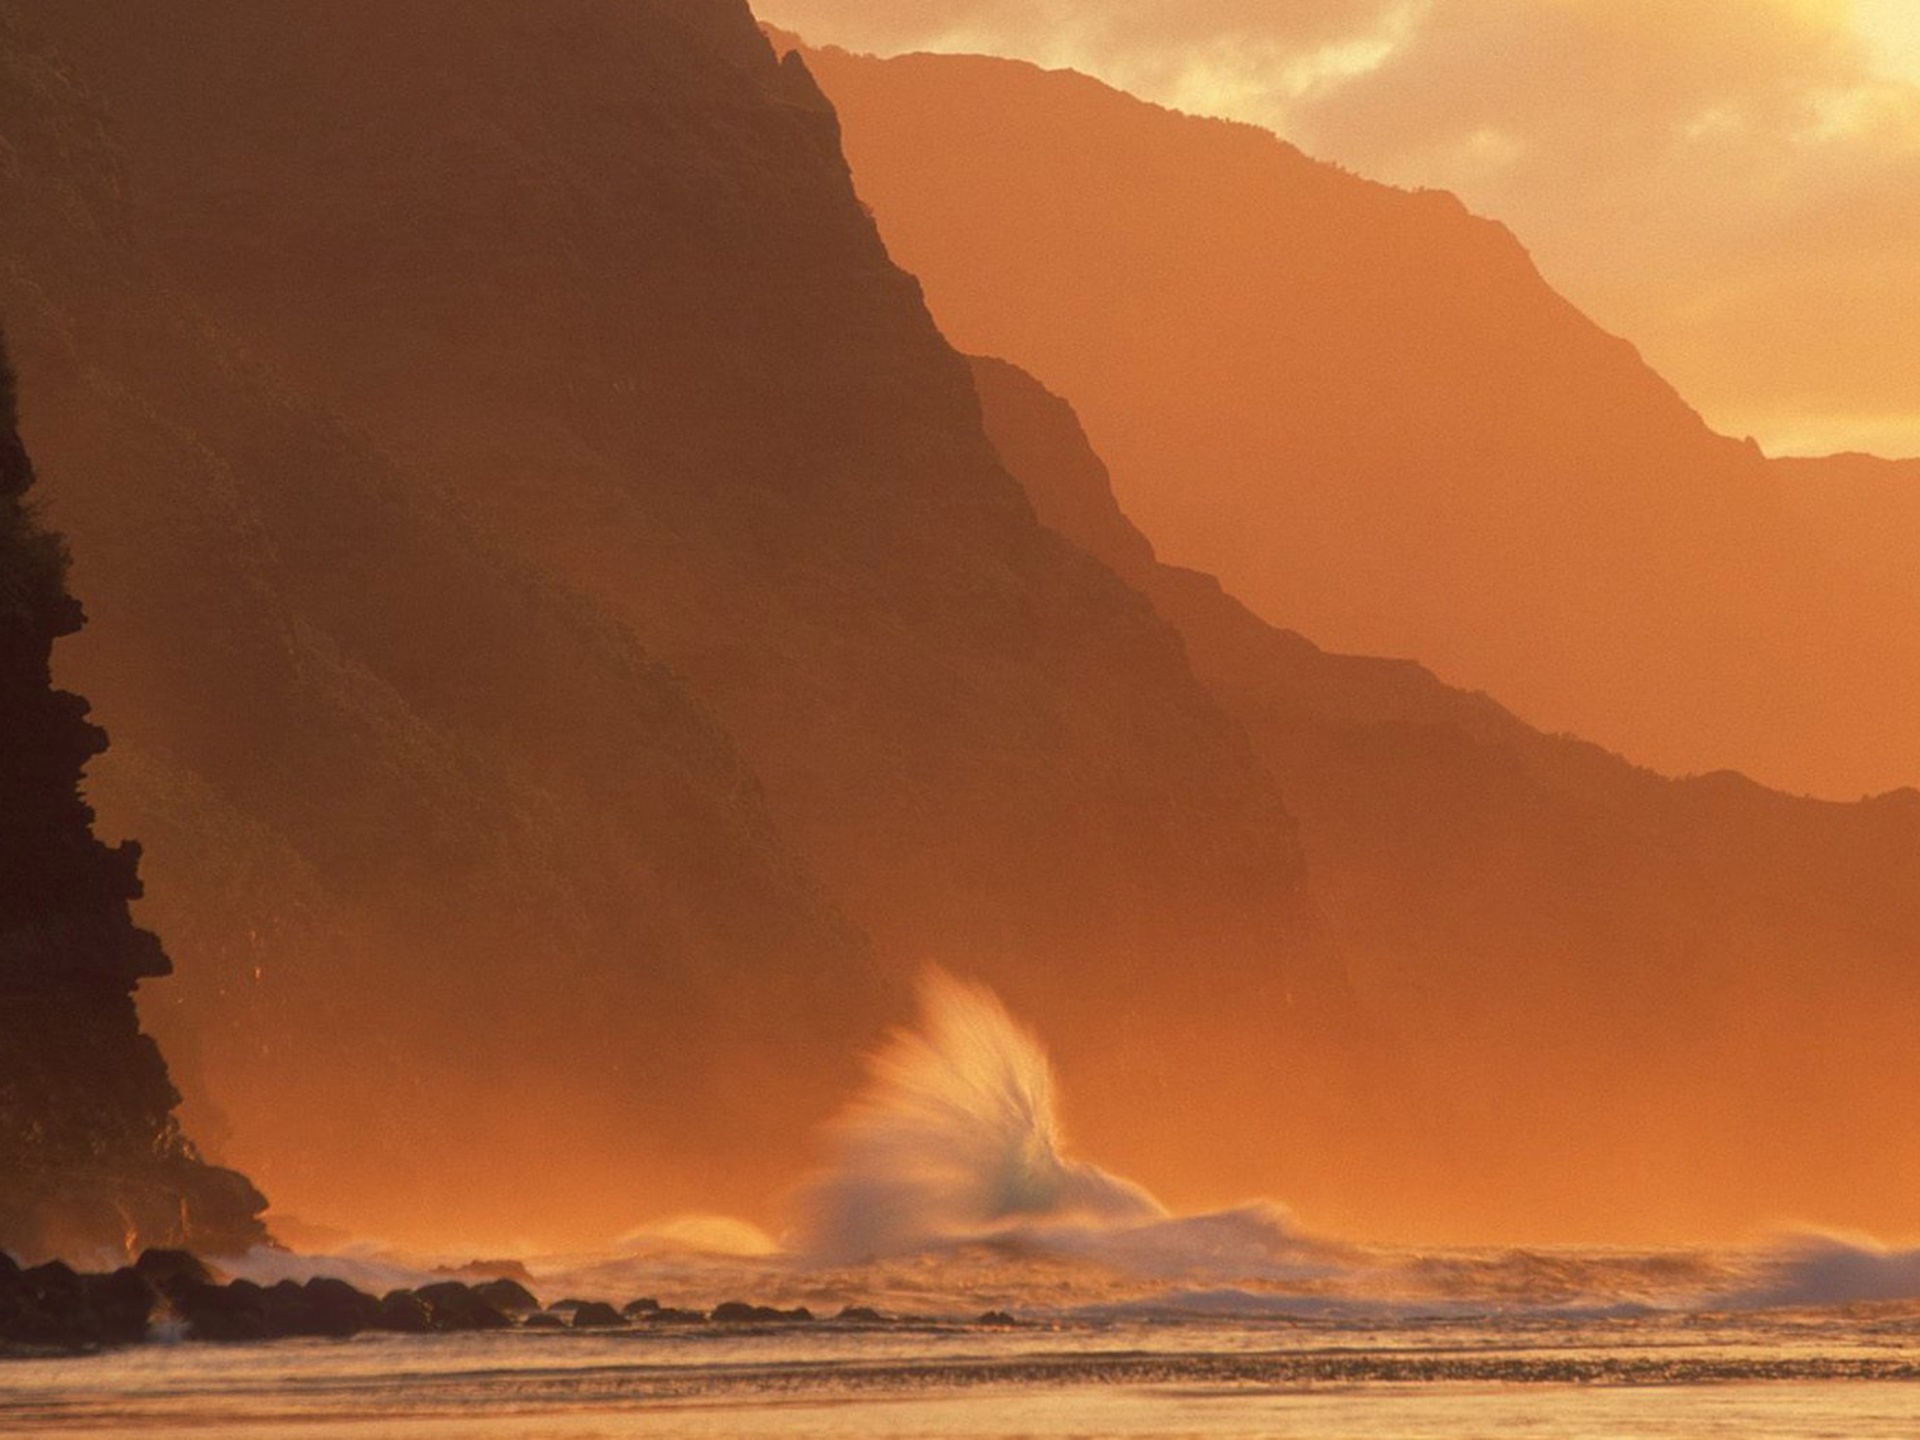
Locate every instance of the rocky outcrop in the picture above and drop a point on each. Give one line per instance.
(52, 1307)
(92, 1155)
(597, 1315)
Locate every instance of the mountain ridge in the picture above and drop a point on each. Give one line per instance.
(717, 417)
(1365, 409)
(1516, 903)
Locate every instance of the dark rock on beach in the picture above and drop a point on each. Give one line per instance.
(508, 1296)
(237, 1311)
(405, 1313)
(738, 1312)
(53, 1307)
(337, 1309)
(168, 1269)
(597, 1315)
(122, 1304)
(458, 1307)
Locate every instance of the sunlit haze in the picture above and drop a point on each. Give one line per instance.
(1734, 185)
(895, 718)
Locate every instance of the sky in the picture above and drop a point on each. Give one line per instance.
(1733, 185)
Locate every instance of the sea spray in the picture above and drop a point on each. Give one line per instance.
(955, 1138)
(951, 1190)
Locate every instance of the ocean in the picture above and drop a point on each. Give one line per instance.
(1848, 1373)
(995, 1286)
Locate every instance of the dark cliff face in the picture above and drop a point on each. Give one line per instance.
(1368, 413)
(1618, 976)
(472, 899)
(92, 1157)
(594, 272)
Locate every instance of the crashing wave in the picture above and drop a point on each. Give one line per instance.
(955, 1138)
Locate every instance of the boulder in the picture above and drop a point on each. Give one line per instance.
(405, 1313)
(455, 1306)
(53, 1279)
(46, 1307)
(123, 1304)
(239, 1311)
(508, 1296)
(288, 1310)
(168, 1269)
(339, 1310)
(596, 1315)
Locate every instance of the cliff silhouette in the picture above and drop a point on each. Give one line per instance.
(472, 898)
(1366, 411)
(93, 1158)
(578, 650)
(1603, 991)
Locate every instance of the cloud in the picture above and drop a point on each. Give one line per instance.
(1111, 30)
(1733, 184)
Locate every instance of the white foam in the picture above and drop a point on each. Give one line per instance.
(955, 1137)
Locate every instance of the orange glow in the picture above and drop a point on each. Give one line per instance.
(580, 635)
(1731, 183)
(1366, 412)
(1601, 1004)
